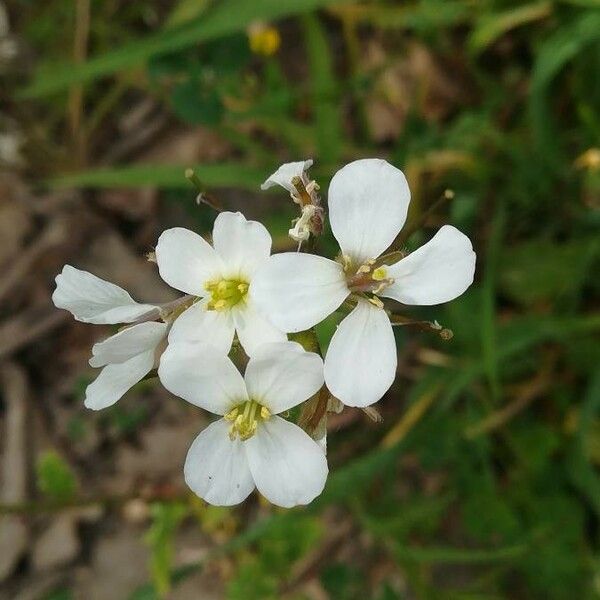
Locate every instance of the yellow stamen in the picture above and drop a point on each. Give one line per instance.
(226, 293)
(245, 419)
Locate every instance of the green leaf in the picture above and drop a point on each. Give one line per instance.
(166, 176)
(544, 271)
(493, 26)
(327, 117)
(559, 49)
(224, 17)
(55, 479)
(166, 518)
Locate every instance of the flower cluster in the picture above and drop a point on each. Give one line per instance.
(239, 296)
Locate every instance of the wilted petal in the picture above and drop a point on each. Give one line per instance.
(115, 380)
(439, 271)
(196, 324)
(368, 202)
(288, 467)
(361, 360)
(93, 300)
(283, 176)
(243, 245)
(296, 291)
(203, 376)
(281, 376)
(216, 467)
(186, 261)
(253, 329)
(127, 343)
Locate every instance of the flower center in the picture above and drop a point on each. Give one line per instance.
(245, 418)
(368, 278)
(226, 293)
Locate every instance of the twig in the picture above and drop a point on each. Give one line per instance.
(411, 417)
(13, 532)
(49, 506)
(51, 236)
(18, 332)
(532, 390)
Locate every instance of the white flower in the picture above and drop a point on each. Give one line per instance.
(219, 278)
(250, 446)
(93, 300)
(368, 204)
(129, 355)
(284, 175)
(294, 178)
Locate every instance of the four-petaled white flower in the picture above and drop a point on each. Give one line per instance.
(219, 277)
(126, 357)
(368, 203)
(294, 178)
(250, 446)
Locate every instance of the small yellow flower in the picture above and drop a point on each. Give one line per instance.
(264, 39)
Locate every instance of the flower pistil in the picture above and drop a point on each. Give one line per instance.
(226, 293)
(245, 418)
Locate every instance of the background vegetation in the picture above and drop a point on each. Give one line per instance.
(481, 482)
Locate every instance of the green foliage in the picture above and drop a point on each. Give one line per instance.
(261, 573)
(166, 518)
(492, 492)
(55, 479)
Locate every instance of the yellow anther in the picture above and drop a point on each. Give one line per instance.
(245, 419)
(379, 274)
(225, 293)
(231, 415)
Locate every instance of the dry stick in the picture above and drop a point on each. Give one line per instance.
(203, 196)
(529, 393)
(45, 506)
(410, 228)
(13, 532)
(17, 332)
(52, 235)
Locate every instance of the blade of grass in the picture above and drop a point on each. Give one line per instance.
(223, 18)
(492, 26)
(327, 118)
(488, 312)
(166, 176)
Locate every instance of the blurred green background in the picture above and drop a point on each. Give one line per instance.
(482, 480)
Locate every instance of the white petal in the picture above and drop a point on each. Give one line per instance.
(437, 272)
(203, 376)
(115, 380)
(186, 261)
(289, 468)
(296, 291)
(283, 175)
(361, 360)
(253, 329)
(92, 300)
(128, 343)
(243, 245)
(216, 468)
(368, 202)
(196, 324)
(281, 376)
